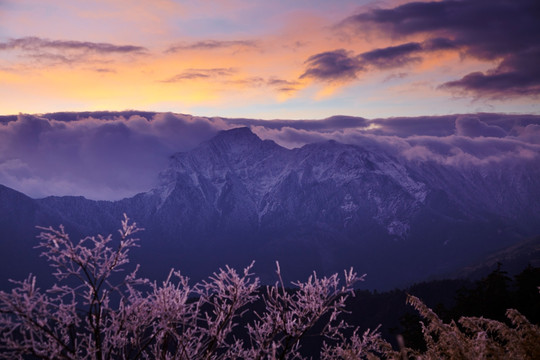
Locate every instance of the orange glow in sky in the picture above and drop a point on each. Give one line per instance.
(279, 59)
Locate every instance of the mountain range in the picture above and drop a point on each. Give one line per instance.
(325, 206)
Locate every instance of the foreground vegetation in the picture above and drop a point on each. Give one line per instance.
(96, 313)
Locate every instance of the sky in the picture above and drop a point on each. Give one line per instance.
(281, 59)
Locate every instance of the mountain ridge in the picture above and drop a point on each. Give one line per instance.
(324, 206)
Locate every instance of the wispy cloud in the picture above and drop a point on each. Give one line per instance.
(213, 45)
(33, 44)
(282, 85)
(104, 70)
(249, 81)
(52, 52)
(193, 74)
(231, 76)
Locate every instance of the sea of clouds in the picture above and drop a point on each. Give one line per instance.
(112, 155)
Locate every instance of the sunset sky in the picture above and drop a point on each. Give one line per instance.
(301, 59)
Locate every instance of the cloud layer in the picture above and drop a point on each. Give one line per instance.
(101, 158)
(106, 155)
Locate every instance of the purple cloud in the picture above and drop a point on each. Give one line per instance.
(33, 44)
(212, 45)
(281, 82)
(420, 125)
(105, 70)
(283, 85)
(54, 52)
(223, 76)
(472, 126)
(107, 158)
(393, 56)
(440, 43)
(529, 133)
(507, 32)
(332, 65)
(191, 74)
(340, 64)
(451, 150)
(507, 26)
(517, 75)
(333, 123)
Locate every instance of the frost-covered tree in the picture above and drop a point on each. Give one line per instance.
(476, 337)
(93, 312)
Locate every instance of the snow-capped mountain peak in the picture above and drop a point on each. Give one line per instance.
(323, 206)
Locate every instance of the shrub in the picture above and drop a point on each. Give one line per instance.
(477, 337)
(93, 313)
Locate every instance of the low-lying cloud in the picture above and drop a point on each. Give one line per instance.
(97, 158)
(472, 126)
(108, 155)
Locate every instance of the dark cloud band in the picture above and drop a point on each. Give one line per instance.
(393, 56)
(517, 75)
(344, 65)
(33, 44)
(332, 65)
